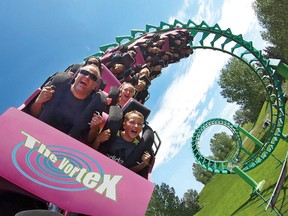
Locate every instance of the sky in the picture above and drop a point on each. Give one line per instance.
(39, 38)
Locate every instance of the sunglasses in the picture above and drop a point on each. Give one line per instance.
(87, 73)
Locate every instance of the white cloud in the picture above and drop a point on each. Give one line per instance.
(206, 9)
(204, 114)
(228, 112)
(179, 109)
(238, 15)
(181, 14)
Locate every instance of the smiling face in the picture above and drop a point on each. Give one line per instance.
(92, 61)
(85, 82)
(133, 124)
(141, 85)
(144, 72)
(117, 69)
(127, 91)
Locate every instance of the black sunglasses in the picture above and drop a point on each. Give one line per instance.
(87, 73)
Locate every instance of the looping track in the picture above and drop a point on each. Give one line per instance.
(214, 38)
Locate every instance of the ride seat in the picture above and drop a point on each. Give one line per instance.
(139, 59)
(110, 79)
(165, 47)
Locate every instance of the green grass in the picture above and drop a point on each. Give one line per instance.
(228, 195)
(256, 130)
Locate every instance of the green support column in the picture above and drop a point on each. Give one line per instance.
(246, 151)
(254, 139)
(256, 186)
(280, 67)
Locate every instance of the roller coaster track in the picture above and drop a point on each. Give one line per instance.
(214, 38)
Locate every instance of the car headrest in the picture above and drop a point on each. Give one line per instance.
(133, 104)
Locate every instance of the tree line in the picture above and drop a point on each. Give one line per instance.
(165, 202)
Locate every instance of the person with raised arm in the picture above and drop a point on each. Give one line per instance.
(62, 102)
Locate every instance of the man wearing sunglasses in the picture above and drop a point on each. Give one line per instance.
(85, 82)
(62, 103)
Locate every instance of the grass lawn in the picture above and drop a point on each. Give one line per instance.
(228, 195)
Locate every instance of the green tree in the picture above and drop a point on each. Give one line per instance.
(191, 202)
(273, 17)
(272, 52)
(241, 85)
(241, 116)
(164, 202)
(221, 145)
(200, 174)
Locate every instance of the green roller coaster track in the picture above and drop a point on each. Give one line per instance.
(213, 165)
(214, 38)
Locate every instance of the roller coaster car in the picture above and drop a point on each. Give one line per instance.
(42, 163)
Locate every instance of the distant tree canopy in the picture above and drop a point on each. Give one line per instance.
(241, 116)
(190, 200)
(221, 145)
(240, 85)
(273, 17)
(164, 202)
(201, 175)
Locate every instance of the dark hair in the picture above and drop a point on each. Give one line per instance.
(98, 62)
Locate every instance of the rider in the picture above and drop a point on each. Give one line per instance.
(70, 101)
(126, 140)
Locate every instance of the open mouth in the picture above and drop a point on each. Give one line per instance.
(83, 83)
(134, 131)
(126, 97)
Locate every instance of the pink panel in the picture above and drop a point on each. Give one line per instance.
(165, 47)
(139, 57)
(109, 78)
(105, 118)
(37, 91)
(61, 170)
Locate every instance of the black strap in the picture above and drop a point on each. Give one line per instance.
(114, 123)
(145, 144)
(61, 81)
(98, 103)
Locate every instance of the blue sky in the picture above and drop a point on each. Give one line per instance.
(39, 38)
